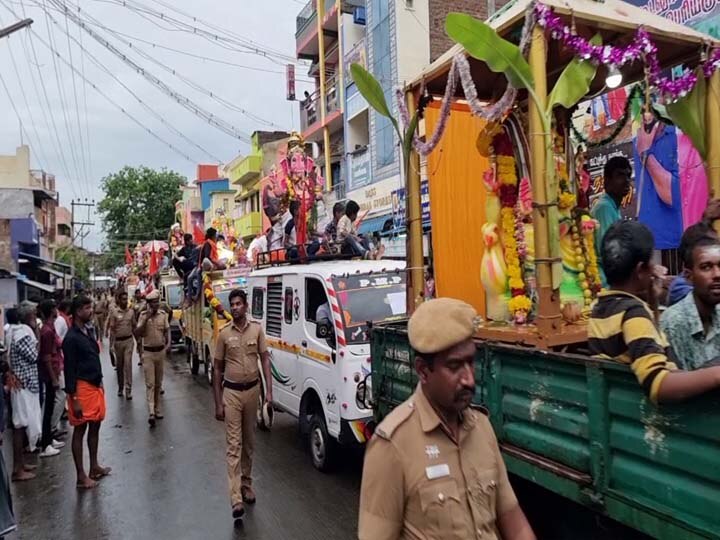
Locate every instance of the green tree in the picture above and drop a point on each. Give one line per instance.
(78, 259)
(139, 205)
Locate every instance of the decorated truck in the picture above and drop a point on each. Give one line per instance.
(204, 318)
(520, 248)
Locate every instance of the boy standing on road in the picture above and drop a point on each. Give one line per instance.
(154, 329)
(121, 327)
(49, 367)
(236, 388)
(83, 385)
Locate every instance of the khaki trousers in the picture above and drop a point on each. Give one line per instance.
(153, 364)
(240, 420)
(123, 364)
(100, 319)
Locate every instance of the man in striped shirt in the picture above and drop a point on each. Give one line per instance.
(622, 326)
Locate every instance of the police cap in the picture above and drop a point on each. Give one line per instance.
(440, 324)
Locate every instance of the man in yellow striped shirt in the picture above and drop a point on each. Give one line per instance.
(622, 325)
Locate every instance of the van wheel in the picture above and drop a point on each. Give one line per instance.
(194, 360)
(209, 371)
(323, 448)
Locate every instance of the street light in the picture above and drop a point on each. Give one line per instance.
(15, 27)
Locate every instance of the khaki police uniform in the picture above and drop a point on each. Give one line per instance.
(101, 311)
(154, 343)
(122, 324)
(419, 482)
(241, 349)
(139, 307)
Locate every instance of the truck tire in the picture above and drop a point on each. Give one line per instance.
(323, 448)
(195, 360)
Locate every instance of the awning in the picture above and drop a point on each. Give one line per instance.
(375, 224)
(37, 285)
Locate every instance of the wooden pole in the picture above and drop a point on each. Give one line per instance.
(548, 316)
(320, 13)
(712, 134)
(413, 202)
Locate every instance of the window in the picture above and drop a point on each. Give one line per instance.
(273, 321)
(314, 298)
(258, 302)
(289, 298)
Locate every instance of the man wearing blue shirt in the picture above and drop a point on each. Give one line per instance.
(616, 174)
(658, 182)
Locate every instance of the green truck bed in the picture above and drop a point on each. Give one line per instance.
(582, 428)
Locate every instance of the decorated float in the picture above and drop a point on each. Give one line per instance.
(530, 261)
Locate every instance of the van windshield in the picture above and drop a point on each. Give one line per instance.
(174, 295)
(377, 297)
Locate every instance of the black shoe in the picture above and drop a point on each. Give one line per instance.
(128, 397)
(159, 416)
(162, 392)
(238, 512)
(151, 420)
(120, 394)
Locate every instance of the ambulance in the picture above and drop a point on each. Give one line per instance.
(315, 317)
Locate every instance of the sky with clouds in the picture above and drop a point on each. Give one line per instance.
(83, 134)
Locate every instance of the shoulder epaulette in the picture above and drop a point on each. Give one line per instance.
(395, 419)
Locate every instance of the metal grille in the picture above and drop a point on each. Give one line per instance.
(274, 310)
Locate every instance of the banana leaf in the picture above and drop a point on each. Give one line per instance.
(688, 114)
(574, 81)
(483, 43)
(373, 93)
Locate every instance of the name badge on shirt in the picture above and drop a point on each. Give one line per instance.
(437, 471)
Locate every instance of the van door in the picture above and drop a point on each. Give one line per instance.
(317, 358)
(282, 338)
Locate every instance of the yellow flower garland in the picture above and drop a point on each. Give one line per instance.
(212, 299)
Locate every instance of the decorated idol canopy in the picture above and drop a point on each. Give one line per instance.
(506, 95)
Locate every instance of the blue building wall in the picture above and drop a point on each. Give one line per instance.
(208, 186)
(24, 236)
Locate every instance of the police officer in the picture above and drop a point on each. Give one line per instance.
(433, 470)
(154, 329)
(139, 305)
(236, 388)
(121, 327)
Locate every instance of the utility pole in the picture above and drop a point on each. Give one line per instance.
(4, 32)
(82, 233)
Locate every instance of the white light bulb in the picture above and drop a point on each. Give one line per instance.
(614, 77)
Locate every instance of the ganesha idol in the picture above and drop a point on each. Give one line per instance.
(296, 178)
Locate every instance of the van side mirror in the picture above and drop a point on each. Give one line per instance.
(323, 330)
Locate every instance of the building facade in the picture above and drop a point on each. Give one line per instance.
(394, 40)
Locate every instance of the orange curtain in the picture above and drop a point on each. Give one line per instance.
(457, 206)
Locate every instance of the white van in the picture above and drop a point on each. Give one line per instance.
(315, 319)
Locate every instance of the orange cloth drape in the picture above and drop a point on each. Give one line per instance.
(457, 206)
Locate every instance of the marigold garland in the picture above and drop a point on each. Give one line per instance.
(519, 305)
(212, 299)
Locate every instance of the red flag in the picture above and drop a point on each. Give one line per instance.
(198, 234)
(128, 255)
(154, 264)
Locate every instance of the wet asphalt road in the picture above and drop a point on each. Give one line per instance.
(171, 483)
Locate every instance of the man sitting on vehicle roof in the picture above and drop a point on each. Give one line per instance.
(622, 325)
(693, 323)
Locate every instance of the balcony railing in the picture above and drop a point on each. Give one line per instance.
(310, 107)
(304, 18)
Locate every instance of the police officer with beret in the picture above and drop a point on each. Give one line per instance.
(433, 470)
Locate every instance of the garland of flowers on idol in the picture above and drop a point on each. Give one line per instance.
(212, 300)
(640, 48)
(589, 275)
(519, 304)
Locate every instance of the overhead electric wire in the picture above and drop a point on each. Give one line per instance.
(246, 46)
(156, 45)
(87, 122)
(103, 94)
(77, 109)
(192, 84)
(184, 101)
(61, 92)
(42, 156)
(58, 142)
(147, 107)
